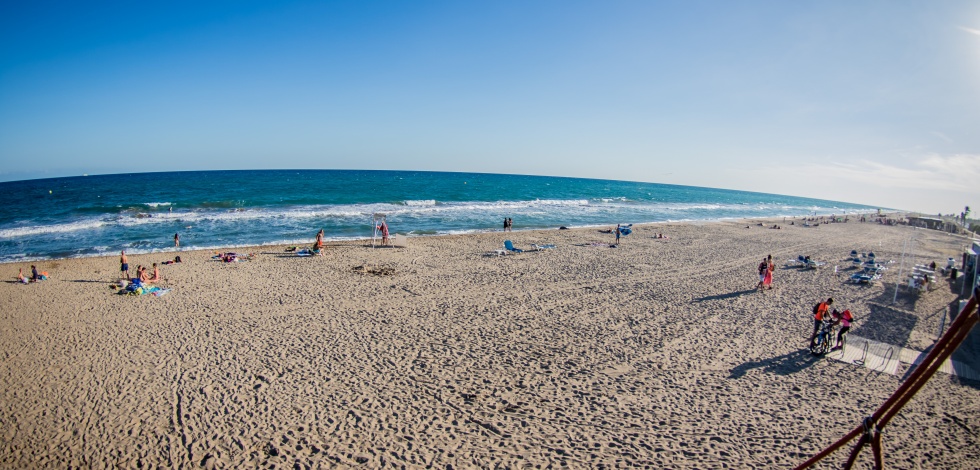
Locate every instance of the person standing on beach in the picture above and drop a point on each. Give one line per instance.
(384, 233)
(763, 267)
(617, 234)
(510, 224)
(820, 311)
(176, 240)
(124, 264)
(319, 240)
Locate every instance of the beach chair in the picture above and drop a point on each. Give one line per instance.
(542, 247)
(812, 263)
(509, 245)
(866, 277)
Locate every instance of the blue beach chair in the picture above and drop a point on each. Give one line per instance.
(509, 245)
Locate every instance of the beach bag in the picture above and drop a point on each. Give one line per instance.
(816, 307)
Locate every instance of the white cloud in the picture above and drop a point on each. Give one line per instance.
(935, 172)
(930, 183)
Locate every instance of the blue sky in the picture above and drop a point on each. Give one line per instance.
(874, 102)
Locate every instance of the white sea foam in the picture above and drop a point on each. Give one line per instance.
(422, 203)
(556, 210)
(47, 229)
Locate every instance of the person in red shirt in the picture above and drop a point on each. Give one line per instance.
(819, 316)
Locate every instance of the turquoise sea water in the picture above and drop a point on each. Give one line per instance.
(97, 215)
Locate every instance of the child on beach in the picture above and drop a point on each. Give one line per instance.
(20, 277)
(156, 275)
(763, 267)
(141, 274)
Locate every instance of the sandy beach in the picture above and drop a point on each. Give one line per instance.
(442, 354)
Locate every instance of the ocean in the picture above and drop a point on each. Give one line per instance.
(140, 213)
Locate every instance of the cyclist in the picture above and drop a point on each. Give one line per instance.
(819, 312)
(845, 324)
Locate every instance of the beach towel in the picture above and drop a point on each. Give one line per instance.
(144, 290)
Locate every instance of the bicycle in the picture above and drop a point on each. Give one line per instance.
(825, 337)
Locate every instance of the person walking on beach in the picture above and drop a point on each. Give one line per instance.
(770, 268)
(763, 267)
(510, 224)
(819, 312)
(176, 240)
(124, 264)
(319, 240)
(617, 234)
(767, 279)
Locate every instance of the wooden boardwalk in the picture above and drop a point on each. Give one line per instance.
(882, 357)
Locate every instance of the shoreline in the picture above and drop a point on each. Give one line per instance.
(409, 234)
(444, 353)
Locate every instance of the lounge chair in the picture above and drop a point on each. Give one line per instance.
(813, 264)
(805, 262)
(509, 245)
(542, 247)
(865, 277)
